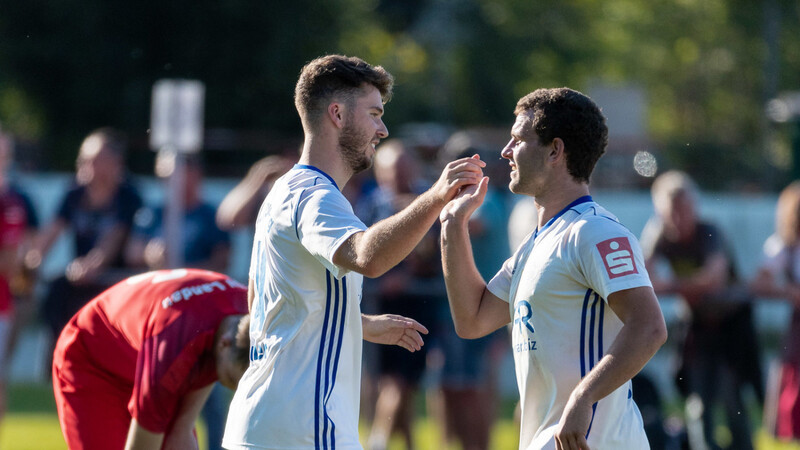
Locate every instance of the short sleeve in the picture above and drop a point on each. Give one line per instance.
(500, 284)
(324, 220)
(608, 256)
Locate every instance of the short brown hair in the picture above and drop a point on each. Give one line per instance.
(575, 119)
(242, 340)
(336, 76)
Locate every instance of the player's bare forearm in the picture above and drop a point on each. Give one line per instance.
(642, 334)
(140, 438)
(383, 245)
(476, 312)
(632, 348)
(464, 283)
(181, 435)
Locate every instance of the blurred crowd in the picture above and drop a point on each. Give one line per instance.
(719, 377)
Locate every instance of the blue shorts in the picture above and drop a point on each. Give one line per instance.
(466, 361)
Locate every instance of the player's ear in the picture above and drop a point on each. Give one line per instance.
(557, 149)
(335, 113)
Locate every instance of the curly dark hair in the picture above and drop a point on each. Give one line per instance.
(567, 114)
(336, 77)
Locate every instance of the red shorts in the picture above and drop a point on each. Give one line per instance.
(787, 423)
(92, 409)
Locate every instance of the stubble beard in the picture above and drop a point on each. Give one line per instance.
(513, 182)
(352, 145)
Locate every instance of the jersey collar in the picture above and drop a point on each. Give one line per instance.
(304, 166)
(576, 202)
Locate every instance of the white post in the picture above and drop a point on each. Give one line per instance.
(176, 129)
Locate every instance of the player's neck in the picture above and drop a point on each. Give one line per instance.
(556, 198)
(324, 154)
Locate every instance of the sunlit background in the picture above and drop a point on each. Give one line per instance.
(705, 86)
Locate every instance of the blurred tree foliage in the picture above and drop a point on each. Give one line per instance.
(707, 66)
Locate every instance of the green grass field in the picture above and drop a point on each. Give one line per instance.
(31, 424)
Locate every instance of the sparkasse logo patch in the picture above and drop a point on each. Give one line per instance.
(617, 256)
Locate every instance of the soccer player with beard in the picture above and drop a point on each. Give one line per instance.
(310, 254)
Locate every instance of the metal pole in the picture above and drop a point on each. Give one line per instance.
(174, 210)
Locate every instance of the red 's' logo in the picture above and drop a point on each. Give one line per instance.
(618, 257)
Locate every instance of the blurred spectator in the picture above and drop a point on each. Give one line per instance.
(13, 226)
(719, 355)
(240, 207)
(412, 289)
(99, 210)
(467, 379)
(205, 246)
(779, 277)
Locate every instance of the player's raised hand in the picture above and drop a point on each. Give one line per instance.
(457, 174)
(391, 329)
(465, 203)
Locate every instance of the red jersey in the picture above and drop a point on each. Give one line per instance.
(152, 335)
(13, 221)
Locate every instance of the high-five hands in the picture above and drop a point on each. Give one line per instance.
(456, 175)
(466, 201)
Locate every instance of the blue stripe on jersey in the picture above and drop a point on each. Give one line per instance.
(594, 409)
(595, 317)
(317, 397)
(328, 381)
(583, 331)
(591, 334)
(339, 295)
(330, 349)
(600, 331)
(338, 350)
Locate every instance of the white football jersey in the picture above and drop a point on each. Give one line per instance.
(557, 284)
(302, 387)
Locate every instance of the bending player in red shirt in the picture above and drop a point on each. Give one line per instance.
(134, 366)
